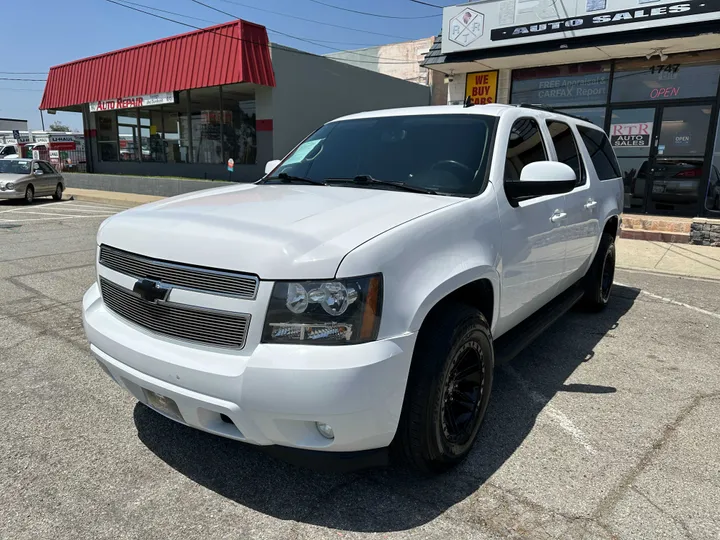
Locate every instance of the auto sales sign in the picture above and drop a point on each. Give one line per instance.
(500, 23)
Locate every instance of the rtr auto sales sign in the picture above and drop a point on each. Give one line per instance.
(133, 102)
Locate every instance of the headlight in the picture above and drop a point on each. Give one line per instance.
(9, 186)
(335, 312)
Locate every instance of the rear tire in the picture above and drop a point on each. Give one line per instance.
(448, 390)
(29, 195)
(599, 280)
(58, 192)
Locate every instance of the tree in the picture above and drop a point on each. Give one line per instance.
(58, 126)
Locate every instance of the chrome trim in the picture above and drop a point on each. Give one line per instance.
(229, 329)
(198, 271)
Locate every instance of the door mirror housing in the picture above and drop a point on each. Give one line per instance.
(38, 172)
(541, 178)
(270, 166)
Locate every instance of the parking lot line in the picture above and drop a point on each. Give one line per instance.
(675, 302)
(5, 220)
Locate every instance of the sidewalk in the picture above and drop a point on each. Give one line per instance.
(110, 197)
(676, 259)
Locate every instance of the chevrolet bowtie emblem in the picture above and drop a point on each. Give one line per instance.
(151, 290)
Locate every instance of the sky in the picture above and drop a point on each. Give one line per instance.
(81, 28)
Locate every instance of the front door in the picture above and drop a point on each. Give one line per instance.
(662, 151)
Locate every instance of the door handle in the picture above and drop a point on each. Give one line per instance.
(590, 204)
(558, 216)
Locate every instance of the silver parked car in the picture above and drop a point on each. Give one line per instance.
(29, 178)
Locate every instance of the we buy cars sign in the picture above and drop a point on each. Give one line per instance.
(62, 142)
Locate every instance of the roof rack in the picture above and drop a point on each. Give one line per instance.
(547, 108)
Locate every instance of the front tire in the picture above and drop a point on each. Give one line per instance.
(29, 195)
(57, 196)
(448, 389)
(599, 279)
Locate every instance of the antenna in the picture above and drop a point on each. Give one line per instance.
(468, 102)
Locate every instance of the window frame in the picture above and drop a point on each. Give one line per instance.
(606, 142)
(583, 179)
(507, 145)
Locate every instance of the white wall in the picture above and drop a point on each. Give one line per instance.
(312, 90)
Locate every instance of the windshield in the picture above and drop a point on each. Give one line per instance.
(447, 153)
(15, 166)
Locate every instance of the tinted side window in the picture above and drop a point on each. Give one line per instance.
(46, 168)
(567, 149)
(601, 153)
(524, 147)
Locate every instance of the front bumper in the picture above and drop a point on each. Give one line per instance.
(11, 194)
(274, 394)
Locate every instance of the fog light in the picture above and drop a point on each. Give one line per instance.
(325, 430)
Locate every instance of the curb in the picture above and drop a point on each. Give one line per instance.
(127, 203)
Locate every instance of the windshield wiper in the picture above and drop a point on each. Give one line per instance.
(365, 179)
(289, 178)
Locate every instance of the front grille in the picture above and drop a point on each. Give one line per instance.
(185, 276)
(210, 327)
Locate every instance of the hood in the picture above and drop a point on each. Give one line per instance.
(273, 231)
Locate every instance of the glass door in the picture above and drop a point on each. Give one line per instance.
(678, 170)
(631, 134)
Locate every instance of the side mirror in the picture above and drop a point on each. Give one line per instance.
(541, 178)
(270, 166)
(38, 172)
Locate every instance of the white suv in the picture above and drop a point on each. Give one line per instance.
(358, 298)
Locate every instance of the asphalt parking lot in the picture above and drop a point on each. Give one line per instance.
(606, 428)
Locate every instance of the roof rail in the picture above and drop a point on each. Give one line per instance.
(547, 108)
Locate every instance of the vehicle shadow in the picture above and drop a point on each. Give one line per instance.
(392, 499)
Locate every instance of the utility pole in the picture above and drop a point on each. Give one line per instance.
(42, 120)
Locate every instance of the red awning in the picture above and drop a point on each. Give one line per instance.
(225, 54)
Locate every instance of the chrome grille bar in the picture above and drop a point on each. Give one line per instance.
(200, 325)
(185, 276)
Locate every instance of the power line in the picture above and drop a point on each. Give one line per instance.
(23, 72)
(371, 14)
(313, 20)
(170, 12)
(16, 79)
(152, 8)
(399, 61)
(245, 40)
(6, 89)
(427, 4)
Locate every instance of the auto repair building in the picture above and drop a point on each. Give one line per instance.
(646, 71)
(185, 105)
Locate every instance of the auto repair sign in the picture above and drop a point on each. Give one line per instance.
(132, 102)
(485, 25)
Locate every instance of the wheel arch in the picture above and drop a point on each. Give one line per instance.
(478, 289)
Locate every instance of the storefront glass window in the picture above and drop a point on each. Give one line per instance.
(180, 116)
(562, 86)
(712, 195)
(107, 136)
(596, 115)
(669, 80)
(239, 130)
(151, 136)
(128, 135)
(206, 125)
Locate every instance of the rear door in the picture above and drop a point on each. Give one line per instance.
(533, 244)
(581, 229)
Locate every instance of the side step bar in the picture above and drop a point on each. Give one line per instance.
(509, 345)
